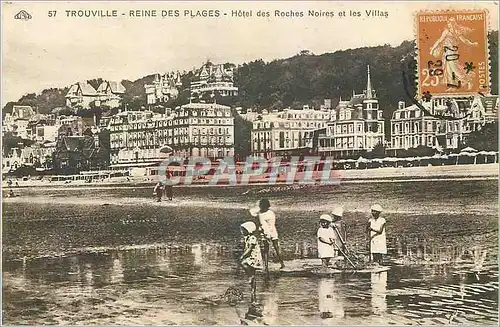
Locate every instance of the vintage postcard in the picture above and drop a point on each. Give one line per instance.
(250, 163)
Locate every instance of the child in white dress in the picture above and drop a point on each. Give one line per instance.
(326, 240)
(376, 228)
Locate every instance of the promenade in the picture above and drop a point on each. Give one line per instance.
(386, 174)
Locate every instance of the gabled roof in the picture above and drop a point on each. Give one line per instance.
(85, 87)
(22, 112)
(115, 87)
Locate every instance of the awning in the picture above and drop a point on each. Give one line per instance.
(469, 149)
(166, 149)
(135, 165)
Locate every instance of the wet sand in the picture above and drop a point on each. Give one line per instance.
(115, 256)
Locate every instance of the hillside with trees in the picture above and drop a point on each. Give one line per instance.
(302, 79)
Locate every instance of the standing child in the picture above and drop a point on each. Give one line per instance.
(251, 259)
(267, 220)
(326, 240)
(376, 229)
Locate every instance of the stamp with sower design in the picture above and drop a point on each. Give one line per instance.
(453, 54)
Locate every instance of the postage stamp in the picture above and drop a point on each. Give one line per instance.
(453, 52)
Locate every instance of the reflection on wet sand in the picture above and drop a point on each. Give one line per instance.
(117, 270)
(379, 292)
(196, 250)
(270, 306)
(331, 304)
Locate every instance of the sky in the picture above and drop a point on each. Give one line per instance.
(45, 52)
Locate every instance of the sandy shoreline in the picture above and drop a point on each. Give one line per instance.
(387, 174)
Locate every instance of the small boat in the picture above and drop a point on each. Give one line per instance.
(312, 267)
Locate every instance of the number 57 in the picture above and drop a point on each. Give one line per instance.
(52, 13)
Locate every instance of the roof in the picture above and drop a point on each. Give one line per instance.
(22, 111)
(357, 99)
(87, 89)
(117, 87)
(204, 106)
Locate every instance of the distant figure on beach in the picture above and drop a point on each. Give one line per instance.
(251, 259)
(9, 182)
(158, 191)
(326, 240)
(267, 220)
(376, 230)
(169, 188)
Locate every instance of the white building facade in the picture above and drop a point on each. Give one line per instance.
(164, 88)
(286, 132)
(357, 125)
(196, 129)
(412, 127)
(211, 79)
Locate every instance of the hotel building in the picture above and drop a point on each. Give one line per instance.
(163, 88)
(211, 79)
(357, 125)
(412, 127)
(195, 129)
(83, 95)
(288, 132)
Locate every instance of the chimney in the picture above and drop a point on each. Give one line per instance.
(401, 104)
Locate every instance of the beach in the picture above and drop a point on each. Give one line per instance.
(113, 255)
(479, 171)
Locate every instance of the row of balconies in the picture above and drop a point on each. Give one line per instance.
(117, 126)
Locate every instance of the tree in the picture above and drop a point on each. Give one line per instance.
(421, 151)
(9, 141)
(242, 136)
(378, 151)
(485, 139)
(8, 108)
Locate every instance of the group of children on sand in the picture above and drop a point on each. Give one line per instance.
(331, 237)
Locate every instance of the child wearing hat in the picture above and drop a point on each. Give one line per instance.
(251, 259)
(267, 221)
(326, 240)
(376, 228)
